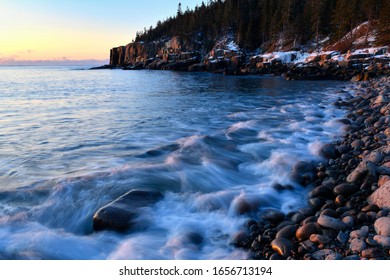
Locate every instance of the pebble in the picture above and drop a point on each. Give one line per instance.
(357, 245)
(319, 239)
(352, 257)
(305, 231)
(384, 241)
(350, 199)
(370, 207)
(298, 218)
(342, 237)
(282, 246)
(349, 221)
(357, 144)
(329, 222)
(363, 232)
(308, 246)
(345, 189)
(371, 253)
(241, 238)
(273, 215)
(382, 226)
(287, 232)
(334, 256)
(322, 254)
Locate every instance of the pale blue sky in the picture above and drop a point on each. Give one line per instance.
(76, 29)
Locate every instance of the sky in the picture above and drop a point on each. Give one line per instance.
(75, 30)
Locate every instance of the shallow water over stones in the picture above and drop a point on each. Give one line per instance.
(220, 150)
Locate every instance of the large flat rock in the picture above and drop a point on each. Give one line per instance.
(123, 213)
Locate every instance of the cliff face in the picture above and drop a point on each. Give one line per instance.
(140, 52)
(227, 58)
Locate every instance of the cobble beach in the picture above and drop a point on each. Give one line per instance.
(347, 214)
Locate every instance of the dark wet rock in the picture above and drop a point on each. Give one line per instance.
(284, 224)
(330, 212)
(349, 221)
(244, 205)
(371, 208)
(320, 191)
(343, 149)
(340, 200)
(304, 232)
(298, 217)
(357, 144)
(303, 172)
(345, 189)
(342, 237)
(241, 239)
(197, 67)
(382, 226)
(310, 219)
(334, 256)
(329, 204)
(123, 213)
(370, 253)
(329, 222)
(362, 218)
(352, 258)
(282, 246)
(322, 254)
(383, 213)
(329, 151)
(287, 232)
(342, 210)
(316, 202)
(307, 246)
(273, 215)
(275, 257)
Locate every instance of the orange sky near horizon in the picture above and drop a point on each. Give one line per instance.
(74, 29)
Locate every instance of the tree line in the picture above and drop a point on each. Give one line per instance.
(261, 23)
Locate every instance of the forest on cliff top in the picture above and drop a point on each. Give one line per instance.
(273, 24)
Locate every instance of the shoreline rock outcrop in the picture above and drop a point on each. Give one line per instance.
(348, 208)
(227, 58)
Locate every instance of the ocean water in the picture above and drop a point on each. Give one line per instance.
(73, 140)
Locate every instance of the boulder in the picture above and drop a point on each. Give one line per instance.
(381, 196)
(382, 226)
(329, 151)
(123, 213)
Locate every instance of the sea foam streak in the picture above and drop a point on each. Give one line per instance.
(215, 157)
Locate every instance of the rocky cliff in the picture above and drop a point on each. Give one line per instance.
(227, 58)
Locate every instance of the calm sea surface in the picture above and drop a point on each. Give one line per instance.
(73, 140)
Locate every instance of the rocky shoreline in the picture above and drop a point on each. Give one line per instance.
(227, 58)
(348, 212)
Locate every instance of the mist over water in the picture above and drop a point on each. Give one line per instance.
(72, 141)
